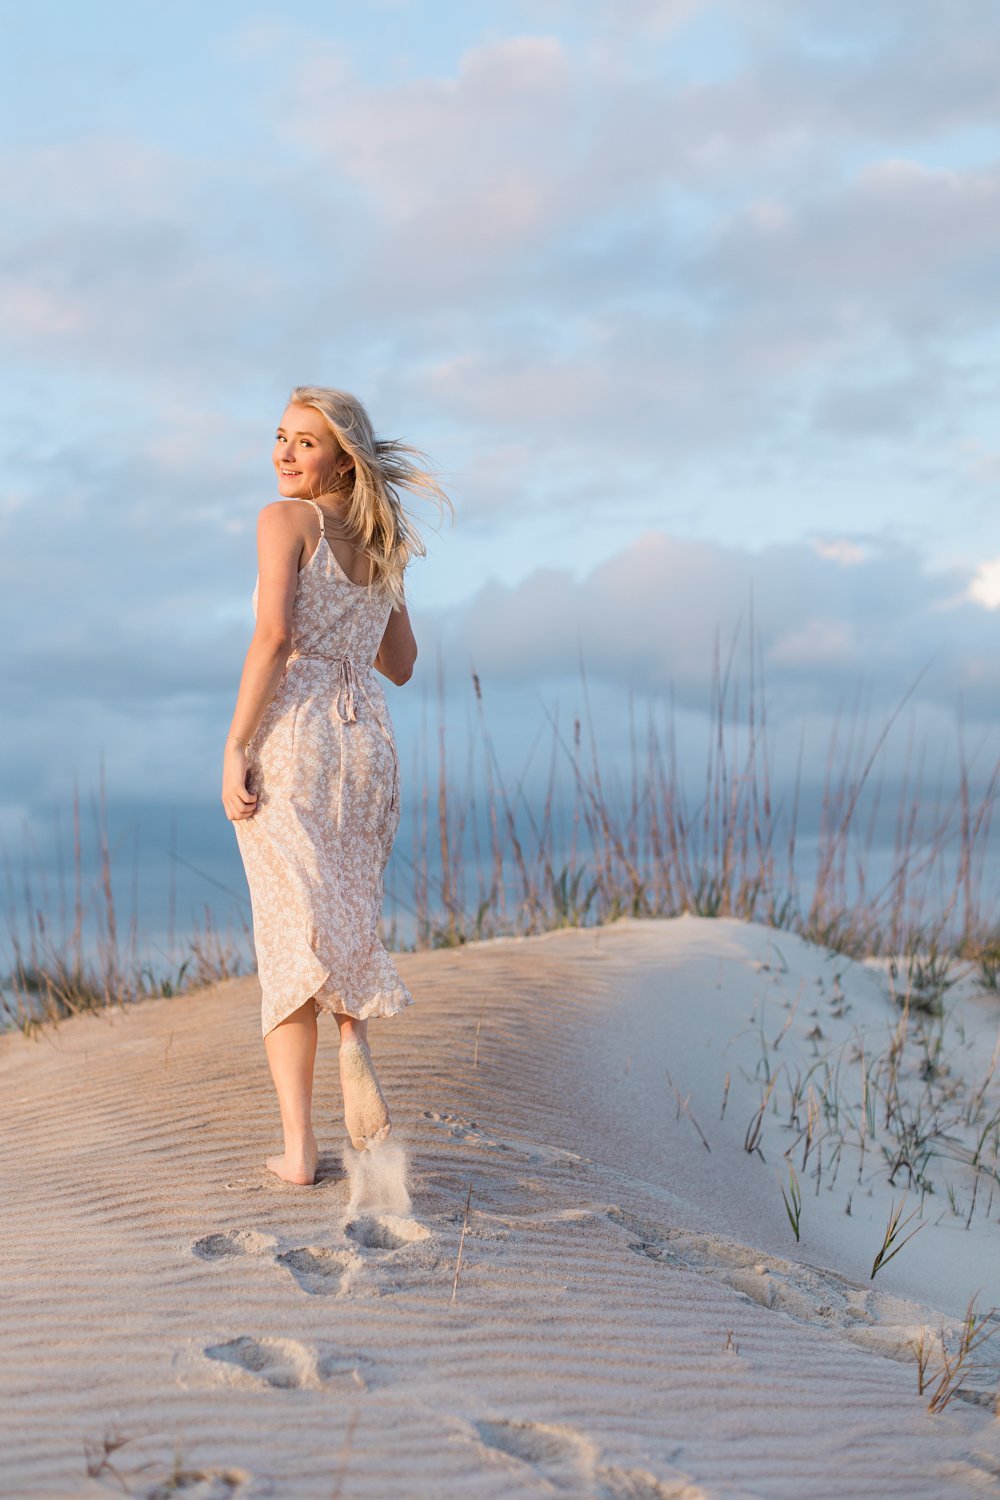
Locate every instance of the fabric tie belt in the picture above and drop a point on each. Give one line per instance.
(350, 683)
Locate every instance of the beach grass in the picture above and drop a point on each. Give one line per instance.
(956, 1365)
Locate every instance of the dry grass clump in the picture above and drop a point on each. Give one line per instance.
(900, 1112)
(643, 849)
(955, 1367)
(156, 1479)
(50, 976)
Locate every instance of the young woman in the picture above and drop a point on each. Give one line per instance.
(310, 773)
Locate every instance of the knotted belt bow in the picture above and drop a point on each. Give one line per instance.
(349, 684)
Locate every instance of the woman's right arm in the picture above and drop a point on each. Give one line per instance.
(279, 547)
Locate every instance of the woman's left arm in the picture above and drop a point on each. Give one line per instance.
(279, 548)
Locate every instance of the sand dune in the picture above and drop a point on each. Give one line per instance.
(633, 1317)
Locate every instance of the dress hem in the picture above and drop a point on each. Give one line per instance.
(367, 1011)
(363, 1014)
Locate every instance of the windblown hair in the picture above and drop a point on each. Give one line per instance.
(375, 517)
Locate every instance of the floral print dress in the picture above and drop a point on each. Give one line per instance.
(323, 764)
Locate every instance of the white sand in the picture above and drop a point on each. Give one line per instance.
(159, 1281)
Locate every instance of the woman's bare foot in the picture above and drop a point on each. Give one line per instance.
(366, 1114)
(298, 1166)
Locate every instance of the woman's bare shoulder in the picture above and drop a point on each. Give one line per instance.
(282, 532)
(283, 518)
(278, 512)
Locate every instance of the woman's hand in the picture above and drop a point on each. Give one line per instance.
(238, 802)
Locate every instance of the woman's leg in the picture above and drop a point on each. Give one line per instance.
(291, 1053)
(351, 1026)
(366, 1113)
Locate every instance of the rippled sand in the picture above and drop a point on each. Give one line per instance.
(632, 1317)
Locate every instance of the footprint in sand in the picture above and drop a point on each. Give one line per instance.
(234, 1242)
(801, 1292)
(286, 1364)
(567, 1460)
(318, 1271)
(385, 1233)
(821, 1298)
(383, 1253)
(393, 1255)
(464, 1130)
(471, 1131)
(394, 1267)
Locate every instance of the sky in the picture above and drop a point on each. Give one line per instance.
(692, 303)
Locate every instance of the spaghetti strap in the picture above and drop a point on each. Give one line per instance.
(322, 519)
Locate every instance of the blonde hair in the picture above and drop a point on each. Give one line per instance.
(375, 516)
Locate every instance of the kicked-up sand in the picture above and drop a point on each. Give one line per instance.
(632, 1316)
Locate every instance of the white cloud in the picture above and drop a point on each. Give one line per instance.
(984, 587)
(471, 160)
(898, 247)
(122, 258)
(648, 617)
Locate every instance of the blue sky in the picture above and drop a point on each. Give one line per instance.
(685, 297)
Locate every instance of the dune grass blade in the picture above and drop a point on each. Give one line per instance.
(885, 1254)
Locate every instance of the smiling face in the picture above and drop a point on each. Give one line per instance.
(308, 460)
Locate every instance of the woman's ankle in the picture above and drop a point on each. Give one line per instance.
(300, 1144)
